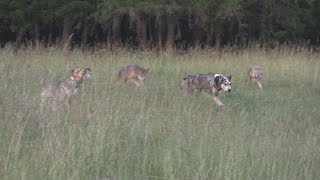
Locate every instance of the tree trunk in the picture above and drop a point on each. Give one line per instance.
(171, 25)
(84, 35)
(49, 42)
(37, 35)
(150, 33)
(116, 30)
(218, 36)
(197, 36)
(217, 44)
(1, 38)
(109, 37)
(67, 30)
(19, 37)
(142, 31)
(209, 42)
(196, 29)
(67, 35)
(160, 31)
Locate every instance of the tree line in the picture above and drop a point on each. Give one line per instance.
(162, 24)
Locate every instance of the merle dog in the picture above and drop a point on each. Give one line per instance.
(210, 83)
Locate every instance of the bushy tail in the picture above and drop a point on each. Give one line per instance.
(119, 75)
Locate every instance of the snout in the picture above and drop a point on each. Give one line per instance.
(227, 90)
(87, 77)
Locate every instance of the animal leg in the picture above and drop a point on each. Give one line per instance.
(217, 100)
(136, 82)
(190, 90)
(254, 80)
(259, 84)
(250, 79)
(141, 82)
(121, 81)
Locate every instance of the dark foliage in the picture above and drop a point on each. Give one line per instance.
(161, 24)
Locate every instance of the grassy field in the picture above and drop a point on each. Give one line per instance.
(161, 132)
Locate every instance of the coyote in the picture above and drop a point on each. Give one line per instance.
(133, 73)
(56, 92)
(255, 74)
(209, 83)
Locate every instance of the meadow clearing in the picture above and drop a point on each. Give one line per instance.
(161, 132)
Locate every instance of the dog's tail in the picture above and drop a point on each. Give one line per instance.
(184, 83)
(120, 76)
(119, 73)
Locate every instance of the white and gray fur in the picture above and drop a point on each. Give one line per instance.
(210, 83)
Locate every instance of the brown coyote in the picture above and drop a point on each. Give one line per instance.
(255, 74)
(56, 92)
(133, 73)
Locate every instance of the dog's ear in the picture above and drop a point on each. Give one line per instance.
(229, 77)
(217, 80)
(72, 71)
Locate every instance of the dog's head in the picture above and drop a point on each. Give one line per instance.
(255, 72)
(185, 82)
(223, 82)
(81, 74)
(145, 72)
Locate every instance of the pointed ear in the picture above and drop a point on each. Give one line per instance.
(229, 77)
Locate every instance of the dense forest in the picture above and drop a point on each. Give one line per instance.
(161, 24)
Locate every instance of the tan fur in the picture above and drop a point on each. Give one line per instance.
(54, 93)
(133, 73)
(255, 74)
(209, 83)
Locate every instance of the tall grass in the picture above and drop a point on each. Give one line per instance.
(161, 132)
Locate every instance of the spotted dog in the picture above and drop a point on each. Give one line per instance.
(209, 83)
(255, 74)
(54, 93)
(133, 73)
